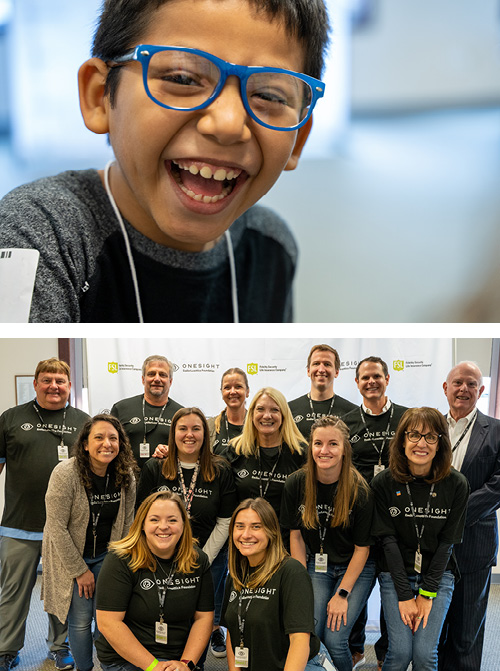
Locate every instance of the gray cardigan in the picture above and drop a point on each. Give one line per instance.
(68, 514)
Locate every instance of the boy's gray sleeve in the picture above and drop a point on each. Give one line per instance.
(28, 223)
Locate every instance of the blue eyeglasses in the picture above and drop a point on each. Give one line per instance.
(180, 78)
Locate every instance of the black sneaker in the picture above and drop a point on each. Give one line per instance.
(218, 643)
(8, 662)
(62, 658)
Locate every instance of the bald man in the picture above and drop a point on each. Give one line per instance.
(475, 440)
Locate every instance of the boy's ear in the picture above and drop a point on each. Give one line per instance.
(94, 105)
(302, 135)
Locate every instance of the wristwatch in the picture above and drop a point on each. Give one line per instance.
(190, 664)
(343, 593)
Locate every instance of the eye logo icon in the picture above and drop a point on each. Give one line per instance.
(147, 583)
(135, 420)
(27, 426)
(394, 511)
(232, 596)
(243, 473)
(298, 418)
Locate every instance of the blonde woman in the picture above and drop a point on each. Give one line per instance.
(268, 605)
(328, 508)
(155, 593)
(268, 450)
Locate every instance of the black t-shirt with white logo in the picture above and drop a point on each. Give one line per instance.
(153, 427)
(263, 475)
(136, 594)
(367, 441)
(339, 541)
(304, 417)
(104, 502)
(210, 499)
(29, 446)
(283, 606)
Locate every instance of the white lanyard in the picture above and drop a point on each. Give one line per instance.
(230, 253)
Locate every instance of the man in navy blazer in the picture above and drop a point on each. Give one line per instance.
(475, 439)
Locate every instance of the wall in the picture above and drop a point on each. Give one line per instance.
(427, 54)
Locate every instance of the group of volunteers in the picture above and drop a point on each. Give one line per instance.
(257, 534)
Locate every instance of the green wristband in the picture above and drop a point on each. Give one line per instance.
(429, 595)
(152, 665)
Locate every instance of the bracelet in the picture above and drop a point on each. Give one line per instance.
(427, 595)
(152, 665)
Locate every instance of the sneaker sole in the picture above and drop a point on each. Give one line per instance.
(360, 663)
(218, 654)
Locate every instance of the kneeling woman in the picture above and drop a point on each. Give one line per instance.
(155, 593)
(268, 604)
(420, 515)
(328, 508)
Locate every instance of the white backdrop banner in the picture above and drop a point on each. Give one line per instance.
(417, 367)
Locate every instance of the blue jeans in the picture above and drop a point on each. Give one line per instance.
(80, 617)
(317, 661)
(420, 648)
(219, 573)
(324, 586)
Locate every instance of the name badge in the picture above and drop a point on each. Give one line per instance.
(418, 562)
(144, 450)
(320, 562)
(62, 452)
(161, 632)
(241, 657)
(378, 468)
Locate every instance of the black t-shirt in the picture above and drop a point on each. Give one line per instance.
(263, 475)
(136, 594)
(304, 415)
(152, 427)
(283, 606)
(339, 541)
(374, 438)
(226, 433)
(443, 524)
(210, 499)
(104, 502)
(30, 449)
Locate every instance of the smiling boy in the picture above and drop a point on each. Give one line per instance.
(197, 142)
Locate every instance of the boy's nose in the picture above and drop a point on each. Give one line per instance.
(226, 118)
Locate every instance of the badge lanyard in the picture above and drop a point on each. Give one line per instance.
(469, 424)
(62, 449)
(263, 493)
(242, 654)
(95, 518)
(418, 554)
(144, 446)
(321, 559)
(227, 427)
(161, 629)
(187, 494)
(312, 407)
(378, 467)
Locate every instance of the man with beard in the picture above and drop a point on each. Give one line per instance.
(147, 417)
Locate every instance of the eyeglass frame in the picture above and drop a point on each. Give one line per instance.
(143, 53)
(424, 436)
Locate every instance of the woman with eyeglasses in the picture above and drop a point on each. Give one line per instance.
(328, 507)
(229, 422)
(90, 502)
(268, 605)
(155, 593)
(419, 516)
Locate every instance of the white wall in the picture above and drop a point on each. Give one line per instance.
(427, 53)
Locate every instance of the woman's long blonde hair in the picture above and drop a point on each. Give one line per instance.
(239, 567)
(247, 443)
(350, 483)
(134, 545)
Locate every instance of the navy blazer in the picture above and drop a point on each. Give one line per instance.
(481, 466)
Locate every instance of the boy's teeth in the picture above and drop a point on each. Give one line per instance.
(219, 174)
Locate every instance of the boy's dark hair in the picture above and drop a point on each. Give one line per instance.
(122, 23)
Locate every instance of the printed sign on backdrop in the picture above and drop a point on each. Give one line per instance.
(417, 367)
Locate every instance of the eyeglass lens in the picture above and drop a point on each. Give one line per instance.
(430, 438)
(183, 80)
